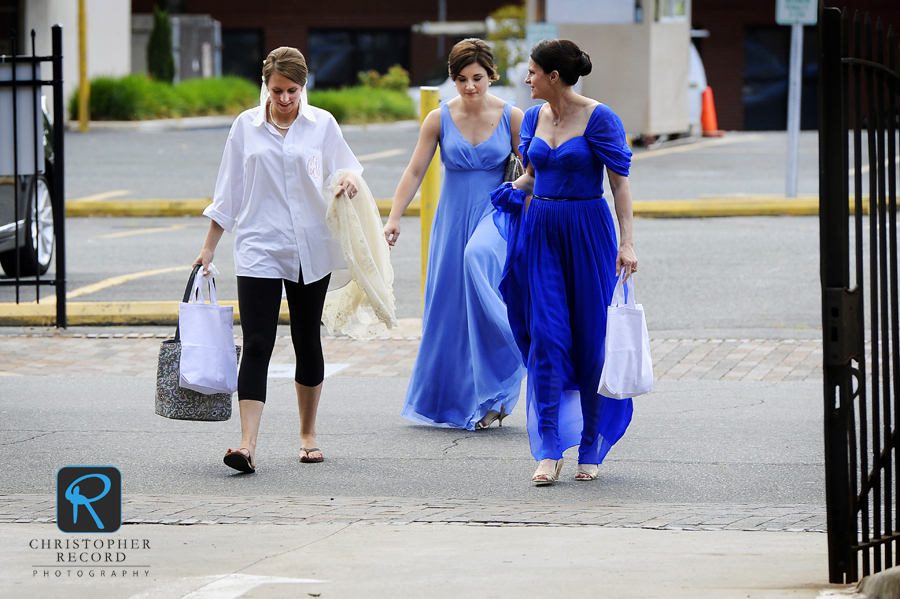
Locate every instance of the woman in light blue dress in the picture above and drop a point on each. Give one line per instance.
(563, 260)
(468, 371)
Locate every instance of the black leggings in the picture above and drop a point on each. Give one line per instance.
(260, 302)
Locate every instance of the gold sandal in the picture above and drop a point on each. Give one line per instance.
(490, 418)
(541, 479)
(587, 472)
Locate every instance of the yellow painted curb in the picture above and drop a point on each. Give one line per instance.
(106, 313)
(137, 208)
(414, 208)
(719, 207)
(702, 208)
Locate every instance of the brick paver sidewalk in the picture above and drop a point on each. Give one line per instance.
(190, 509)
(135, 354)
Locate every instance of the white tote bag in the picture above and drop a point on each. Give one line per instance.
(628, 369)
(208, 357)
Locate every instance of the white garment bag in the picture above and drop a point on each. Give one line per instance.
(628, 369)
(208, 356)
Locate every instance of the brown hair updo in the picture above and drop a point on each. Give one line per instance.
(288, 62)
(469, 51)
(562, 56)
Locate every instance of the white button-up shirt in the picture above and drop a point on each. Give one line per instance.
(273, 189)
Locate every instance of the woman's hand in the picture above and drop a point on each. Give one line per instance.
(392, 231)
(209, 247)
(349, 185)
(626, 259)
(206, 256)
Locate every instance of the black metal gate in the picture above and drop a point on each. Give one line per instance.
(859, 84)
(32, 204)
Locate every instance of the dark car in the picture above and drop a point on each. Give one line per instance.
(32, 249)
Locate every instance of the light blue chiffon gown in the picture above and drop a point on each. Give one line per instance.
(558, 281)
(467, 363)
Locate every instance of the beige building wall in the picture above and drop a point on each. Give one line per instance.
(640, 70)
(108, 37)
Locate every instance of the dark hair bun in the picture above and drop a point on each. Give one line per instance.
(562, 56)
(584, 65)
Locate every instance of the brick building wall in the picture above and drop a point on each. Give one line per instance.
(289, 23)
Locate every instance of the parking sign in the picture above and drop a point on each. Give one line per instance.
(796, 12)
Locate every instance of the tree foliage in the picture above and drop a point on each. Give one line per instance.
(506, 33)
(160, 60)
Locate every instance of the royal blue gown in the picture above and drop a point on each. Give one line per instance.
(558, 281)
(467, 363)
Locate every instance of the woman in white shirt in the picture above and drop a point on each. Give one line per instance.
(270, 192)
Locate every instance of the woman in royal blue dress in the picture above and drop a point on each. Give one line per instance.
(563, 261)
(468, 372)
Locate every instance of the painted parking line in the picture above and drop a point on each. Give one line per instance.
(112, 282)
(699, 145)
(149, 231)
(384, 154)
(119, 280)
(99, 197)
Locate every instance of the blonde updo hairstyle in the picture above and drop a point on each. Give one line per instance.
(287, 62)
(469, 51)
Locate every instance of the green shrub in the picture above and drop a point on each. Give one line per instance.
(135, 97)
(397, 79)
(371, 78)
(160, 61)
(364, 104)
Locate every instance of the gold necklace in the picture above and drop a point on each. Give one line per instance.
(274, 122)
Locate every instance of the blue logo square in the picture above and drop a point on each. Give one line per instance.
(89, 499)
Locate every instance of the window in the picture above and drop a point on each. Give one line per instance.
(335, 57)
(242, 53)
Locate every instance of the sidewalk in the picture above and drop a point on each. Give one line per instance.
(401, 510)
(375, 561)
(130, 353)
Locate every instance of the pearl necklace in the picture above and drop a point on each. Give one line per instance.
(274, 122)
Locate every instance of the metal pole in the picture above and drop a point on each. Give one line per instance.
(84, 86)
(431, 184)
(793, 124)
(838, 314)
(59, 165)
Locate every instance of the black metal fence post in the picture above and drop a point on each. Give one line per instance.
(59, 168)
(834, 266)
(27, 226)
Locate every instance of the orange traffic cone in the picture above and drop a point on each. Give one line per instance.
(708, 115)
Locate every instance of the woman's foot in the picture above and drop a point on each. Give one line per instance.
(311, 455)
(240, 459)
(490, 417)
(547, 472)
(586, 472)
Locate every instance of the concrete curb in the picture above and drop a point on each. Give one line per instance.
(701, 208)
